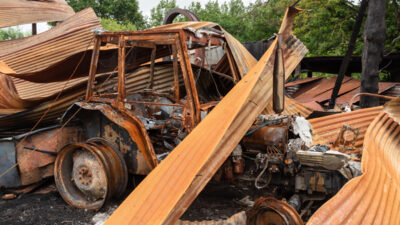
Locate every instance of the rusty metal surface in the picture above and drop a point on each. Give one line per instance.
(243, 58)
(184, 25)
(86, 174)
(28, 117)
(267, 136)
(134, 81)
(17, 12)
(383, 88)
(32, 164)
(133, 126)
(292, 107)
(392, 109)
(51, 68)
(373, 197)
(163, 196)
(169, 18)
(10, 102)
(303, 81)
(41, 51)
(33, 91)
(327, 128)
(237, 219)
(315, 92)
(272, 211)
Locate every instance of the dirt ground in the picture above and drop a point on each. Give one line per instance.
(217, 201)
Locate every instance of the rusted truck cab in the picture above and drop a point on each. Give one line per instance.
(162, 86)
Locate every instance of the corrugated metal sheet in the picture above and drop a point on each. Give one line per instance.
(373, 197)
(383, 88)
(163, 196)
(193, 24)
(327, 128)
(393, 91)
(392, 108)
(16, 12)
(41, 51)
(139, 79)
(292, 107)
(135, 81)
(29, 90)
(316, 92)
(244, 60)
(9, 99)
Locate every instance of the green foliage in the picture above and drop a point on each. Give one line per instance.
(158, 13)
(113, 25)
(392, 26)
(11, 33)
(230, 15)
(122, 11)
(325, 26)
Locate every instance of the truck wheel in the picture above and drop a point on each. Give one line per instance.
(88, 174)
(270, 211)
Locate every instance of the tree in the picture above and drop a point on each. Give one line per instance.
(112, 25)
(230, 15)
(122, 11)
(11, 33)
(158, 13)
(374, 43)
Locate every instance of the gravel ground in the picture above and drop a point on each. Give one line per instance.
(217, 201)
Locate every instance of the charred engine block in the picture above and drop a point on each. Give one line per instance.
(273, 159)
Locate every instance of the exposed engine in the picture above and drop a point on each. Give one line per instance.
(276, 157)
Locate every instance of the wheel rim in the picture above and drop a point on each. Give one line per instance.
(87, 174)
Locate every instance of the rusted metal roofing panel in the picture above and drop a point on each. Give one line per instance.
(393, 91)
(41, 51)
(30, 90)
(347, 86)
(163, 196)
(10, 102)
(28, 117)
(383, 87)
(373, 197)
(313, 92)
(193, 24)
(16, 12)
(324, 86)
(327, 128)
(243, 58)
(392, 108)
(72, 92)
(292, 107)
(303, 81)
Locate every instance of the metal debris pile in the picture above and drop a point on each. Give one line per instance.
(186, 105)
